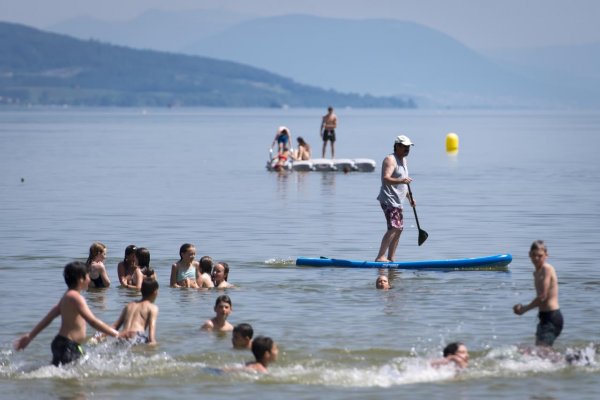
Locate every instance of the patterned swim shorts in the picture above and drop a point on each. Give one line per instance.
(393, 216)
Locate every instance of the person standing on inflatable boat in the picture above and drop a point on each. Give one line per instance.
(394, 180)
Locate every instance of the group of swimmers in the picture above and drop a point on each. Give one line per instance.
(137, 320)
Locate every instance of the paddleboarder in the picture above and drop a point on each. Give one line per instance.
(394, 188)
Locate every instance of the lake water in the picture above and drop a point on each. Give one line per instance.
(160, 178)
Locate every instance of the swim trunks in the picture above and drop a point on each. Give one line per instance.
(65, 350)
(393, 216)
(329, 134)
(139, 338)
(549, 327)
(283, 139)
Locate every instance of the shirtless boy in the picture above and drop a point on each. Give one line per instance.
(265, 352)
(223, 309)
(74, 312)
(546, 286)
(241, 337)
(139, 316)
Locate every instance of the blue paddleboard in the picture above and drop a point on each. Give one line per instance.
(494, 263)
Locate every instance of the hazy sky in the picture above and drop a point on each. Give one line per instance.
(476, 23)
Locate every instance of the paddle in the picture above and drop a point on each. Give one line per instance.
(422, 234)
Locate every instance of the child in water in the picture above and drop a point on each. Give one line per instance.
(220, 274)
(126, 268)
(456, 353)
(223, 308)
(95, 266)
(204, 277)
(382, 282)
(74, 313)
(241, 337)
(139, 316)
(184, 273)
(265, 351)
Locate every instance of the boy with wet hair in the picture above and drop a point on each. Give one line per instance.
(74, 312)
(241, 337)
(265, 352)
(139, 316)
(546, 301)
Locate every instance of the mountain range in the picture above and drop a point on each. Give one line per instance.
(378, 57)
(38, 67)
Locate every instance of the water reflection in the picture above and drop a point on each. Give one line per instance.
(97, 297)
(328, 182)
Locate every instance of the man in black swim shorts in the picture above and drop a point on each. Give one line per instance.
(328, 125)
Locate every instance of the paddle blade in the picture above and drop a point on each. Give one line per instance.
(422, 236)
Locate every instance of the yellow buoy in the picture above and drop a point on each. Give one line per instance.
(452, 142)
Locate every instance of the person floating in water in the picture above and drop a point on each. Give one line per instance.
(223, 309)
(74, 313)
(382, 282)
(265, 352)
(241, 337)
(456, 353)
(546, 286)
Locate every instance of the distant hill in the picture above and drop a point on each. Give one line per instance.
(377, 56)
(154, 29)
(380, 57)
(38, 67)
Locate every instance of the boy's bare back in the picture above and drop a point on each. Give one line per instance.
(139, 316)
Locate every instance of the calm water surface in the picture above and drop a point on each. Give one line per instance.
(160, 178)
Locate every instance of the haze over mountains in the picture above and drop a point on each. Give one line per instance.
(38, 67)
(379, 57)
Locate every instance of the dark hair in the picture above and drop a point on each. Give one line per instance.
(73, 272)
(452, 348)
(223, 299)
(245, 330)
(129, 250)
(260, 346)
(225, 269)
(538, 245)
(143, 256)
(149, 286)
(184, 247)
(330, 108)
(300, 140)
(206, 264)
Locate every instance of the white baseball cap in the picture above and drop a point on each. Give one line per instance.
(403, 140)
